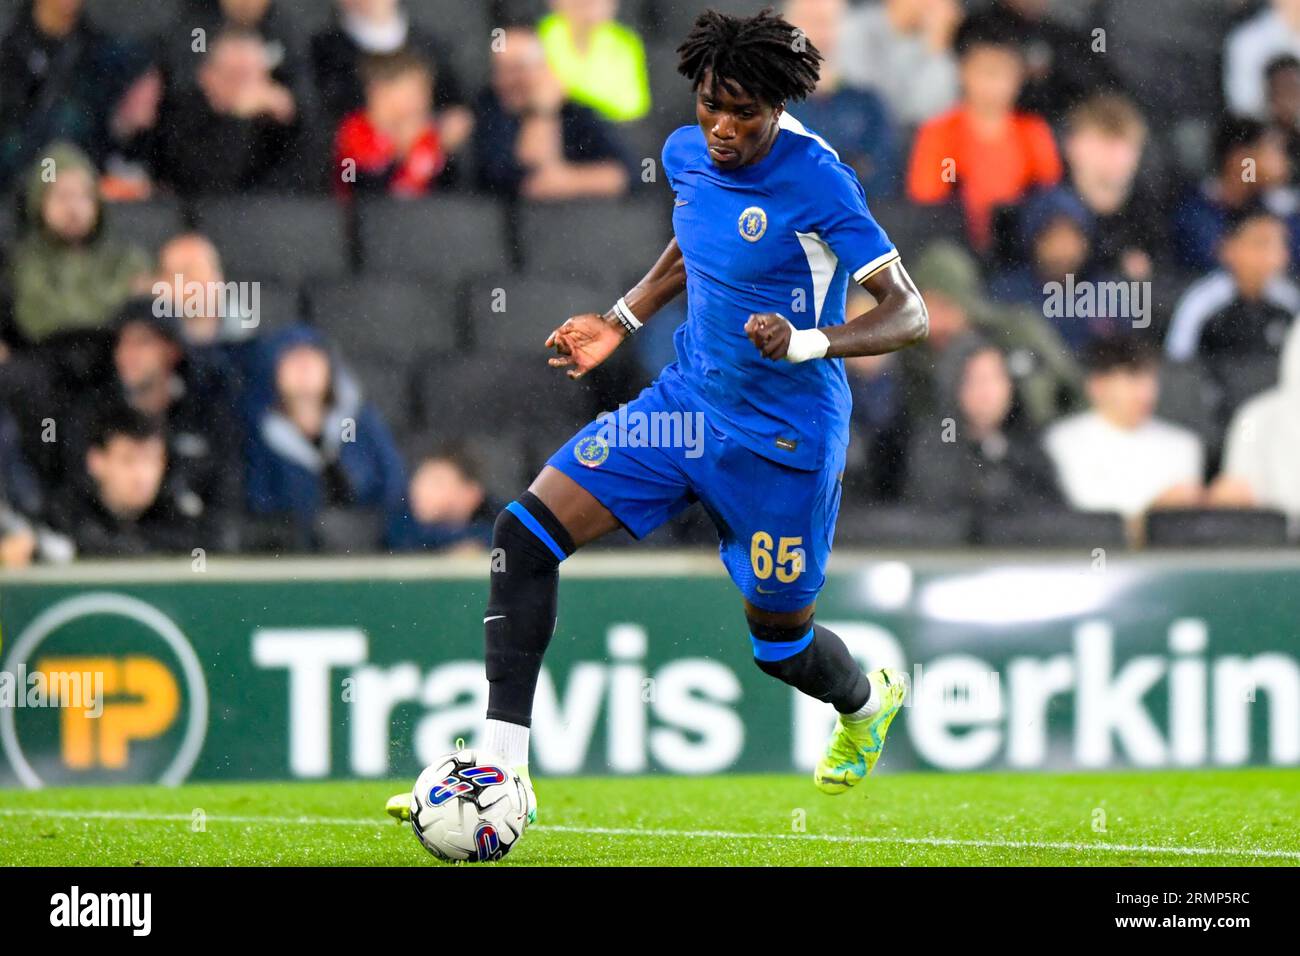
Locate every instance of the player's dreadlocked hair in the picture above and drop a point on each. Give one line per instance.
(764, 55)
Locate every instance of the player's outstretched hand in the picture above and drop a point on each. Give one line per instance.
(770, 333)
(583, 342)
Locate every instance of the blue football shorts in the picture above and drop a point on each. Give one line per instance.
(660, 453)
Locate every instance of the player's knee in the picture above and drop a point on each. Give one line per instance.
(528, 544)
(527, 533)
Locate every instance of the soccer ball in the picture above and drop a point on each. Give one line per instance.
(469, 806)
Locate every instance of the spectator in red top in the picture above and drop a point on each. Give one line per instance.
(391, 145)
(984, 151)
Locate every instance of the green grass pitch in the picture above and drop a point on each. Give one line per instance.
(1219, 817)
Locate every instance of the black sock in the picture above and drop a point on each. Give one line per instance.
(815, 662)
(528, 544)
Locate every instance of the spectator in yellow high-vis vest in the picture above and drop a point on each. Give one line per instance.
(600, 62)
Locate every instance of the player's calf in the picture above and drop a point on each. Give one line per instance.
(528, 544)
(811, 659)
(814, 660)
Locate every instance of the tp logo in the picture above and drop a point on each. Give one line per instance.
(151, 722)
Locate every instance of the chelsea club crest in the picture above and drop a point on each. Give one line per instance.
(753, 223)
(591, 451)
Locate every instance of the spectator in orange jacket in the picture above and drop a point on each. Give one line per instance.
(984, 151)
(392, 144)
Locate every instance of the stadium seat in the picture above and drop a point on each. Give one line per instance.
(1204, 394)
(290, 239)
(1216, 528)
(505, 463)
(672, 104)
(130, 18)
(522, 11)
(465, 27)
(911, 227)
(1168, 38)
(307, 16)
(894, 526)
(459, 394)
(452, 238)
(633, 13)
(1052, 529)
(145, 224)
(1244, 377)
(601, 240)
(478, 400)
(8, 227)
(453, 14)
(348, 530)
(638, 14)
(672, 19)
(510, 313)
(642, 140)
(384, 318)
(385, 385)
(1188, 397)
(1167, 287)
(279, 306)
(379, 328)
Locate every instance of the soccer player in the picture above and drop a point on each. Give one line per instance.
(769, 228)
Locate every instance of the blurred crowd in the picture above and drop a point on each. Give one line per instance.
(256, 255)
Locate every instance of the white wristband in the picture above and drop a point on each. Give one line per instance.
(807, 344)
(625, 317)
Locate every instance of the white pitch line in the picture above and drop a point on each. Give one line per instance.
(675, 834)
(933, 841)
(189, 817)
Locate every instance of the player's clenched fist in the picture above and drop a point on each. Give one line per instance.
(770, 333)
(583, 342)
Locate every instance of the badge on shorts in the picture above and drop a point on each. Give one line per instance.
(753, 223)
(591, 451)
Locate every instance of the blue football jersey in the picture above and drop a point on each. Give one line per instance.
(780, 235)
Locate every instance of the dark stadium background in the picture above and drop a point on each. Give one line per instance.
(994, 523)
(435, 306)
